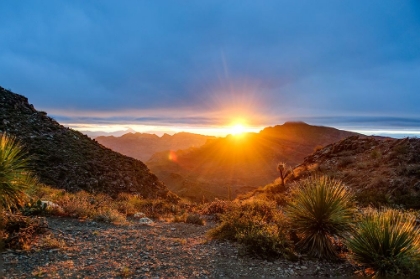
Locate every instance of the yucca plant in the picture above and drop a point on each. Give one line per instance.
(387, 241)
(319, 209)
(15, 176)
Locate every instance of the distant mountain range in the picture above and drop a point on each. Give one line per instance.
(67, 159)
(233, 165)
(142, 145)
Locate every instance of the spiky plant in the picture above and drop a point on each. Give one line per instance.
(15, 176)
(387, 241)
(320, 208)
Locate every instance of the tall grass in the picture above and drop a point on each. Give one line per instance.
(387, 241)
(15, 175)
(320, 209)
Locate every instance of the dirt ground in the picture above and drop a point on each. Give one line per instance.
(88, 249)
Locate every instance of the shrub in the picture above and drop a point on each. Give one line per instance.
(256, 224)
(320, 208)
(387, 241)
(15, 177)
(345, 161)
(376, 154)
(18, 230)
(128, 204)
(217, 207)
(34, 208)
(192, 218)
(109, 215)
(157, 208)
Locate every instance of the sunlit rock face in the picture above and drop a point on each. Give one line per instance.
(66, 159)
(380, 171)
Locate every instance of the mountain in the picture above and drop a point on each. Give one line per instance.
(142, 145)
(380, 171)
(66, 159)
(233, 165)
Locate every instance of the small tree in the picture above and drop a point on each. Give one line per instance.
(15, 176)
(281, 167)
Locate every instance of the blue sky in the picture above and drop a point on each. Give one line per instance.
(184, 65)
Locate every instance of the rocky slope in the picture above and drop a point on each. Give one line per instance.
(142, 145)
(66, 159)
(238, 164)
(380, 171)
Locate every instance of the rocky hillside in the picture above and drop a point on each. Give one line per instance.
(238, 164)
(66, 159)
(142, 145)
(380, 171)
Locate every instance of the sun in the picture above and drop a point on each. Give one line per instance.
(237, 129)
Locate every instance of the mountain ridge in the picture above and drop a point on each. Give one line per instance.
(232, 165)
(381, 171)
(142, 146)
(66, 159)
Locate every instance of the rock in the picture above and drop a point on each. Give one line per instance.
(145, 221)
(139, 215)
(52, 206)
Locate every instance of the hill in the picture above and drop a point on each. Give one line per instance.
(66, 159)
(380, 171)
(233, 165)
(142, 145)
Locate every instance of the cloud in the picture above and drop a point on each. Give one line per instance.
(204, 62)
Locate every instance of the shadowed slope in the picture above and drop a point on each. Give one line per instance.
(64, 158)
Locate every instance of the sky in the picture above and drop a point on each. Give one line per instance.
(200, 66)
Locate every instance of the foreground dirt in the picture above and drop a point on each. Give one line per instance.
(161, 250)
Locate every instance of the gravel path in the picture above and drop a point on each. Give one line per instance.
(160, 250)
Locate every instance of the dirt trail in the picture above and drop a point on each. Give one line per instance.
(161, 250)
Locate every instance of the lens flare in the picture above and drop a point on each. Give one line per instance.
(172, 156)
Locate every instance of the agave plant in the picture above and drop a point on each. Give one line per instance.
(15, 176)
(320, 208)
(387, 241)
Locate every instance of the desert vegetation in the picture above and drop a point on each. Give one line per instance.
(15, 176)
(316, 217)
(319, 210)
(24, 202)
(319, 218)
(388, 241)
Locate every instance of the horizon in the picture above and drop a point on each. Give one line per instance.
(224, 132)
(208, 66)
